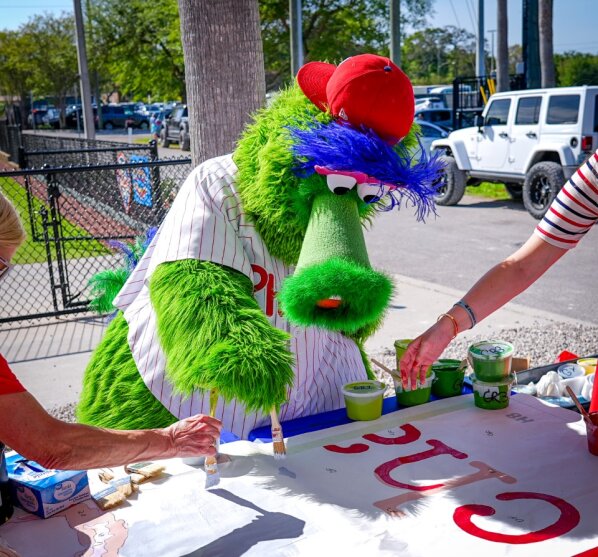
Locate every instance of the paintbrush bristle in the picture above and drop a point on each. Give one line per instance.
(279, 449)
(211, 470)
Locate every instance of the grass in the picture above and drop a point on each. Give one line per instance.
(35, 252)
(489, 190)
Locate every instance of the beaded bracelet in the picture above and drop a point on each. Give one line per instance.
(455, 325)
(469, 312)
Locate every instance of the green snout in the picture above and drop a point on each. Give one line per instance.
(334, 286)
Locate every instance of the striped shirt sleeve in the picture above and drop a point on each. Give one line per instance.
(574, 210)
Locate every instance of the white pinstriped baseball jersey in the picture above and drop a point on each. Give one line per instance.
(206, 222)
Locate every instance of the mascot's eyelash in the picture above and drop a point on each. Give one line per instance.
(340, 146)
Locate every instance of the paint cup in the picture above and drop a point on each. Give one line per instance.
(592, 433)
(568, 371)
(400, 347)
(363, 399)
(492, 395)
(491, 359)
(589, 364)
(448, 378)
(420, 395)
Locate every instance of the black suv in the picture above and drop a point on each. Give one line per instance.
(176, 128)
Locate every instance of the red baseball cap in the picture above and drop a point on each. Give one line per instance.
(365, 90)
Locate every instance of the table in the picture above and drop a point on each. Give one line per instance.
(445, 477)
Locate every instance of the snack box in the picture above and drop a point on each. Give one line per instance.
(41, 491)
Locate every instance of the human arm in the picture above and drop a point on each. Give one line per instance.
(497, 287)
(27, 428)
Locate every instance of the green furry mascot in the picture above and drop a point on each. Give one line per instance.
(257, 287)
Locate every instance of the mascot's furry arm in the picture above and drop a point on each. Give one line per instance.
(215, 336)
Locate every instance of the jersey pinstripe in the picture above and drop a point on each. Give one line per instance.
(574, 210)
(206, 222)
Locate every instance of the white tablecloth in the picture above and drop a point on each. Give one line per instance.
(443, 478)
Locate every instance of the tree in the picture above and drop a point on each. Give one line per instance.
(332, 31)
(136, 47)
(16, 68)
(576, 68)
(54, 58)
(546, 43)
(224, 71)
(439, 54)
(502, 46)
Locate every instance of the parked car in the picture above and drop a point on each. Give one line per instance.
(176, 128)
(36, 117)
(123, 116)
(429, 102)
(74, 117)
(530, 140)
(52, 118)
(429, 133)
(442, 117)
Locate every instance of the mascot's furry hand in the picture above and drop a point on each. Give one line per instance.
(215, 336)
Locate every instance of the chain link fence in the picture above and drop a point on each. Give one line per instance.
(71, 213)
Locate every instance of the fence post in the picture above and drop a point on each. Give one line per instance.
(156, 184)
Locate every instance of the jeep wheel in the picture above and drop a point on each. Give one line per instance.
(185, 141)
(514, 190)
(452, 185)
(542, 183)
(164, 142)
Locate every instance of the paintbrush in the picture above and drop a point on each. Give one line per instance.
(390, 372)
(278, 447)
(581, 409)
(211, 461)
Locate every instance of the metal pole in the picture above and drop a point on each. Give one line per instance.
(395, 31)
(492, 65)
(88, 122)
(479, 58)
(296, 22)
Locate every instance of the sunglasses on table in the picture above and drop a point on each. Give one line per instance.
(4, 267)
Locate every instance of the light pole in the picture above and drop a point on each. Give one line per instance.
(492, 65)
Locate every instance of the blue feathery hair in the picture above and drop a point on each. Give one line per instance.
(340, 146)
(106, 285)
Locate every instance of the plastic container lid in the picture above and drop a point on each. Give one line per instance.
(364, 388)
(491, 350)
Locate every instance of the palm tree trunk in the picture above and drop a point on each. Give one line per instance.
(224, 71)
(502, 46)
(546, 43)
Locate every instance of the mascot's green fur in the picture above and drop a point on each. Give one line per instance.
(212, 332)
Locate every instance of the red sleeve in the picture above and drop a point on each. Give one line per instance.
(9, 384)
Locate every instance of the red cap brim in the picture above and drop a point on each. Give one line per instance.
(313, 78)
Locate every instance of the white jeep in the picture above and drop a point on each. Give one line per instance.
(532, 141)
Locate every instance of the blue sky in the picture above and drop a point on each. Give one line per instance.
(574, 27)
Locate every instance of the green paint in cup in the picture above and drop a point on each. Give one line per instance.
(363, 400)
(492, 395)
(491, 359)
(421, 395)
(448, 378)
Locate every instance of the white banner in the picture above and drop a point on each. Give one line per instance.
(442, 478)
